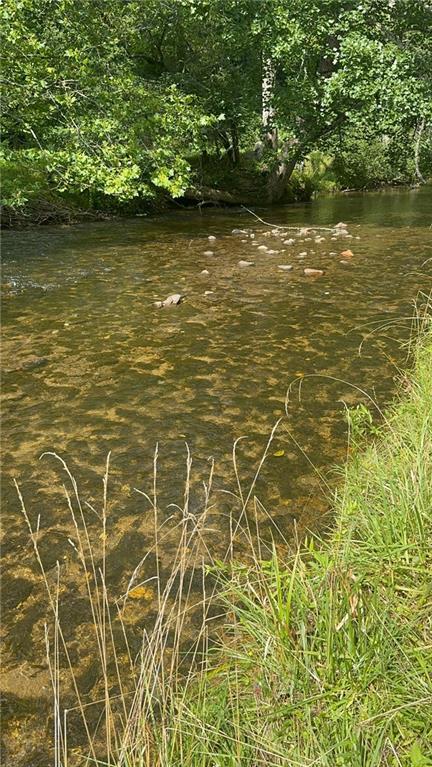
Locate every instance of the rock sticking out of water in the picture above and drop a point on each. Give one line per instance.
(313, 272)
(286, 267)
(211, 238)
(170, 301)
(246, 263)
(239, 231)
(289, 242)
(205, 272)
(262, 247)
(341, 225)
(347, 254)
(209, 252)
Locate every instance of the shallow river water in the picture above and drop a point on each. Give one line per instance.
(90, 365)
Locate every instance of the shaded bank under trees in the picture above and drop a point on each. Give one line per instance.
(114, 105)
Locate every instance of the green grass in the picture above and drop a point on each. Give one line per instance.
(327, 657)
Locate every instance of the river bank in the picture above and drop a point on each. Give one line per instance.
(216, 184)
(326, 657)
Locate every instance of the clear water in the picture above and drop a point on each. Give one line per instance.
(90, 365)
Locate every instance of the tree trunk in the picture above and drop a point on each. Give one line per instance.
(268, 111)
(235, 150)
(417, 145)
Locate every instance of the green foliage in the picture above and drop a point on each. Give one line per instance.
(113, 99)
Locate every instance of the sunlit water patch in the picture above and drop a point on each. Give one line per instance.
(90, 365)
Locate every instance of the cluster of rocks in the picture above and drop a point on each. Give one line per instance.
(338, 232)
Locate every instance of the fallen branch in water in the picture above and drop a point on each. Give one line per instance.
(293, 228)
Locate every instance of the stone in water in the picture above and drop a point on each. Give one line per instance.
(170, 301)
(313, 272)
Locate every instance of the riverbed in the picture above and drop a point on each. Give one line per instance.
(91, 366)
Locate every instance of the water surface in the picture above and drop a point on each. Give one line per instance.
(90, 365)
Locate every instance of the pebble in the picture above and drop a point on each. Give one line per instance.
(285, 267)
(313, 272)
(170, 301)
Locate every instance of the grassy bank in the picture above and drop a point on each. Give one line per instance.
(327, 658)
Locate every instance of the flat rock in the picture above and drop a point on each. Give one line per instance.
(208, 292)
(313, 272)
(262, 247)
(170, 301)
(286, 267)
(303, 253)
(209, 252)
(246, 263)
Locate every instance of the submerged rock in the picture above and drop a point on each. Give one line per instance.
(313, 272)
(170, 301)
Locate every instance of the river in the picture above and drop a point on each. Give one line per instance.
(90, 365)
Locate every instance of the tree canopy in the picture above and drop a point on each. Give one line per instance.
(118, 98)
